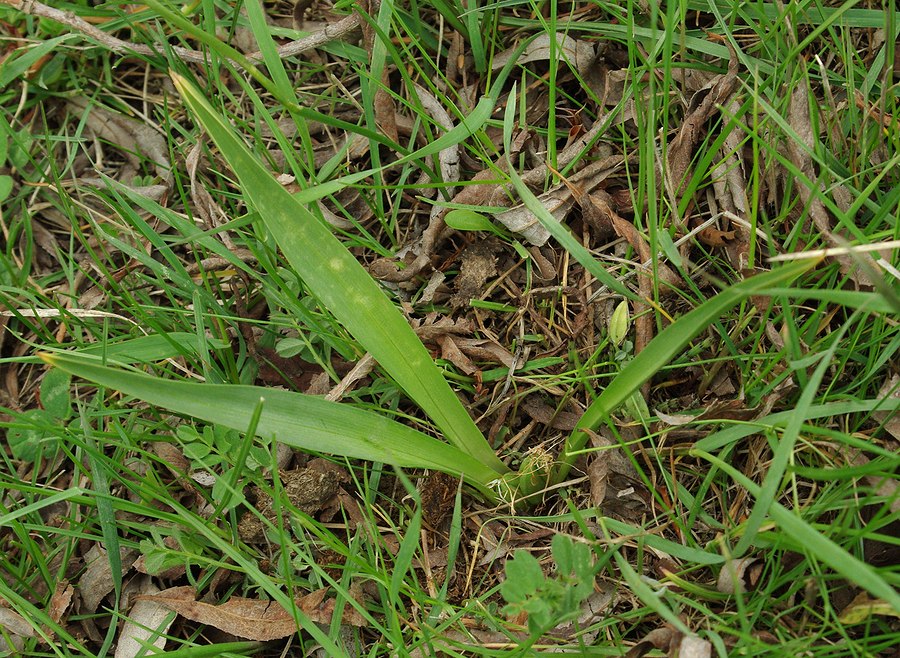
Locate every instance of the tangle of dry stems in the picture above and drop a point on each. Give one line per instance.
(315, 40)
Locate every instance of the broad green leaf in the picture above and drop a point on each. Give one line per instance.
(563, 551)
(302, 421)
(665, 346)
(344, 287)
(17, 63)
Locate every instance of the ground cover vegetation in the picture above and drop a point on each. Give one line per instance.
(449, 328)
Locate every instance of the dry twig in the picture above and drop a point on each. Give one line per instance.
(315, 40)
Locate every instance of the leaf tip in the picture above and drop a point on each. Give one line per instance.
(180, 82)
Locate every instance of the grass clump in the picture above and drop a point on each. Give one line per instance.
(347, 305)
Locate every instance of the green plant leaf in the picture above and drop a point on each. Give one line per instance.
(468, 220)
(56, 398)
(664, 347)
(147, 349)
(563, 550)
(524, 577)
(344, 287)
(735, 433)
(212, 650)
(6, 185)
(28, 442)
(302, 421)
(618, 323)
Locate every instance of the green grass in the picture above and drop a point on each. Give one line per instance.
(767, 431)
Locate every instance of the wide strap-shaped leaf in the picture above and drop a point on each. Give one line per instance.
(343, 286)
(299, 420)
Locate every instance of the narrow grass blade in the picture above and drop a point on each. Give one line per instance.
(344, 287)
(43, 503)
(662, 349)
(733, 434)
(303, 421)
(106, 515)
(147, 349)
(815, 543)
(643, 591)
(212, 650)
(784, 450)
(564, 236)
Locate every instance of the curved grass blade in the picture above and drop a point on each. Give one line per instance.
(664, 347)
(735, 433)
(302, 421)
(565, 238)
(807, 538)
(344, 287)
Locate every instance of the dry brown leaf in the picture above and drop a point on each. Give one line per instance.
(597, 209)
(521, 220)
(434, 327)
(253, 619)
(547, 415)
(674, 643)
(14, 623)
(97, 581)
(594, 608)
(597, 473)
(659, 638)
(730, 189)
(361, 370)
(486, 350)
(579, 53)
(891, 419)
(479, 263)
(320, 609)
(61, 600)
(383, 102)
(134, 138)
(702, 106)
(798, 151)
(204, 205)
(450, 351)
(385, 110)
(863, 608)
(737, 575)
(716, 238)
(675, 420)
(145, 625)
(448, 158)
(883, 486)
